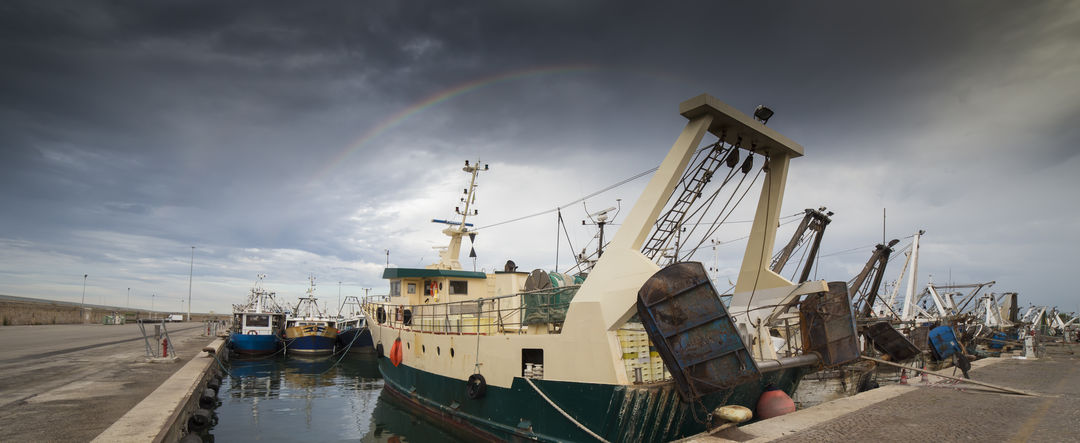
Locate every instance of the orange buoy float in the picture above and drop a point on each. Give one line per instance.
(774, 403)
(395, 352)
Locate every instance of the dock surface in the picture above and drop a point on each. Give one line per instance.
(939, 410)
(71, 382)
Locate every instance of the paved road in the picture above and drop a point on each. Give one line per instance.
(30, 342)
(70, 382)
(945, 412)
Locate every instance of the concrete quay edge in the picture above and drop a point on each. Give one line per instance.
(160, 416)
(774, 428)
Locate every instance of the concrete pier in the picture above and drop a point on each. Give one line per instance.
(71, 382)
(942, 410)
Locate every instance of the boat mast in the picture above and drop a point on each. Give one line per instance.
(448, 256)
(909, 294)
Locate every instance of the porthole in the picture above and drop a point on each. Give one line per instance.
(451, 352)
(408, 345)
(438, 350)
(423, 348)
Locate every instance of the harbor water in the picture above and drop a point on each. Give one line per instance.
(328, 398)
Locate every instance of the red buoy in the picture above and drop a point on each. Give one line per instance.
(395, 352)
(774, 403)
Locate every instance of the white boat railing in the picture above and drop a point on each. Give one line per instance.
(510, 314)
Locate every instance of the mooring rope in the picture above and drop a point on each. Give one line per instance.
(345, 352)
(564, 414)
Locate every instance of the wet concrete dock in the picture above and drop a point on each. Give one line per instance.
(71, 382)
(940, 410)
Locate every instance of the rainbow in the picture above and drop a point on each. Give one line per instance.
(434, 99)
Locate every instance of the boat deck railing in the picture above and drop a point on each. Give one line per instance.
(509, 314)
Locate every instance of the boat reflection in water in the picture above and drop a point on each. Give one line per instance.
(317, 398)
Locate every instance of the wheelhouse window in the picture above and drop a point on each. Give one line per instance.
(459, 287)
(395, 289)
(258, 320)
(412, 288)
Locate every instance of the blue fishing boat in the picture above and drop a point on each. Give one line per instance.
(353, 333)
(258, 323)
(308, 329)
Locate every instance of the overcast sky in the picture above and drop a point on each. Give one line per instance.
(308, 138)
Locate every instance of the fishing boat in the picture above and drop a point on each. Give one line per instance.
(258, 323)
(308, 329)
(640, 349)
(353, 333)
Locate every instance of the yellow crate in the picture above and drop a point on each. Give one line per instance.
(481, 325)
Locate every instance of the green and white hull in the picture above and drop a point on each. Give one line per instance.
(651, 412)
(563, 362)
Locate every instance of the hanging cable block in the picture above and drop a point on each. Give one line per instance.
(733, 158)
(472, 252)
(748, 164)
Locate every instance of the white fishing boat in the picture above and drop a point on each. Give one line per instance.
(642, 349)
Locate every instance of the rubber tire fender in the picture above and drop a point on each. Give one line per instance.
(253, 332)
(379, 350)
(406, 317)
(476, 387)
(380, 315)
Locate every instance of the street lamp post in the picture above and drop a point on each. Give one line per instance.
(84, 290)
(191, 271)
(84, 296)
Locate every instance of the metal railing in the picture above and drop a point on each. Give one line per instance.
(509, 314)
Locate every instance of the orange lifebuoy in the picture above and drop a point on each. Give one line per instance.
(395, 352)
(253, 332)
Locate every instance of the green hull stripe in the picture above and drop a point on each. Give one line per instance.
(616, 412)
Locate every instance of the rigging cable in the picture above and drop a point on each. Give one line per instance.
(579, 200)
(563, 223)
(768, 200)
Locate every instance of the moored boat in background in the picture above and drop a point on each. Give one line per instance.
(258, 324)
(308, 329)
(353, 333)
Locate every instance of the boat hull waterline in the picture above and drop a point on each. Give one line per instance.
(311, 339)
(360, 338)
(652, 412)
(254, 344)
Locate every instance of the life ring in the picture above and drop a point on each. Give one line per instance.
(380, 315)
(476, 387)
(253, 332)
(406, 317)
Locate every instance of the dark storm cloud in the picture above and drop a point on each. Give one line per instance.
(221, 123)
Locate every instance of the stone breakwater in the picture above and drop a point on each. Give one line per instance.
(15, 311)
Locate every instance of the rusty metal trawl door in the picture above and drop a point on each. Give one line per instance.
(693, 332)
